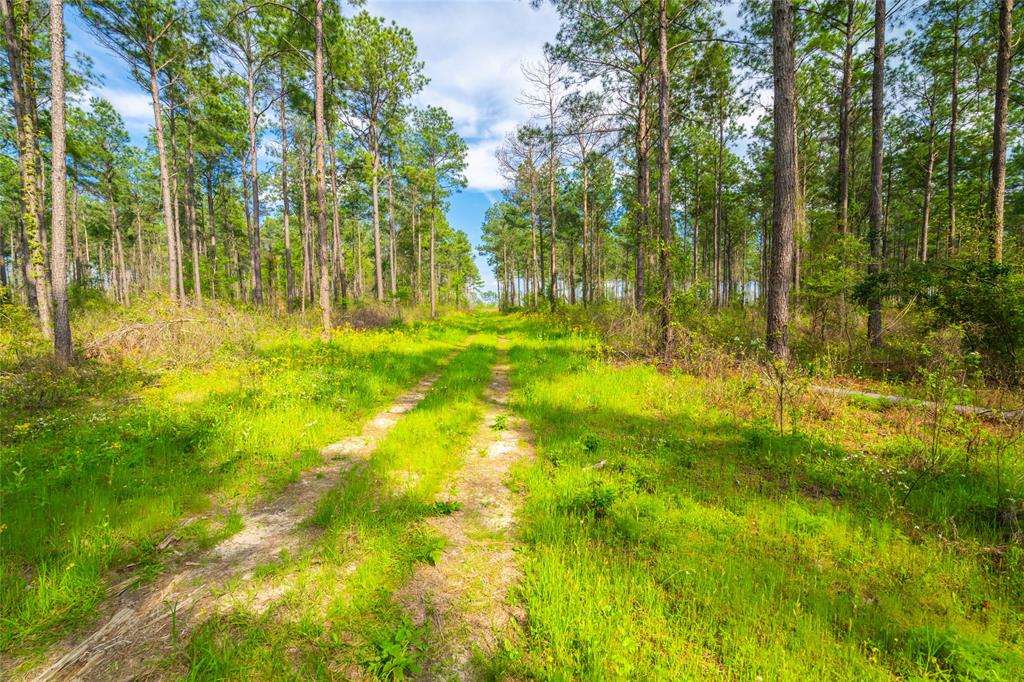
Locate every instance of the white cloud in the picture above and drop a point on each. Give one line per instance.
(482, 170)
(472, 53)
(134, 106)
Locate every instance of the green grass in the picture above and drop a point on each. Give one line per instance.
(709, 546)
(338, 614)
(95, 482)
(669, 531)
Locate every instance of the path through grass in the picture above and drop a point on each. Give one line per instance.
(668, 531)
(97, 483)
(333, 612)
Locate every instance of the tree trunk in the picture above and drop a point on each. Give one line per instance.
(255, 254)
(58, 187)
(696, 221)
(643, 184)
(533, 233)
(5, 284)
(433, 271)
(321, 168)
(378, 264)
(954, 113)
(176, 218)
(784, 209)
(120, 270)
(288, 273)
(140, 264)
(571, 280)
(664, 181)
(929, 170)
(213, 232)
(552, 169)
(845, 104)
(76, 247)
(18, 38)
(307, 257)
(190, 215)
(586, 226)
(997, 195)
(716, 212)
(165, 178)
(338, 253)
(877, 139)
(415, 243)
(392, 236)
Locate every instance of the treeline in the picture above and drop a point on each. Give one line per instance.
(842, 155)
(285, 165)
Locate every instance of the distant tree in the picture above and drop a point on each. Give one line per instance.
(142, 33)
(383, 75)
(444, 156)
(547, 97)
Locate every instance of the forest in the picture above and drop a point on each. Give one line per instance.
(684, 343)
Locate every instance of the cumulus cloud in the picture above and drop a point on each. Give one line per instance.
(135, 107)
(472, 53)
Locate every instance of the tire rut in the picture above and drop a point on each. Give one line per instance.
(465, 596)
(139, 626)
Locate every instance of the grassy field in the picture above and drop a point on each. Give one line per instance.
(126, 451)
(673, 533)
(670, 528)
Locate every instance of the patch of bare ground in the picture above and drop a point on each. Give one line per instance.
(136, 628)
(465, 595)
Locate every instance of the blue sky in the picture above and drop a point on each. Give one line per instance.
(472, 50)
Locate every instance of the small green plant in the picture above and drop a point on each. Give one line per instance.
(397, 655)
(430, 551)
(785, 382)
(947, 656)
(593, 501)
(444, 507)
(500, 422)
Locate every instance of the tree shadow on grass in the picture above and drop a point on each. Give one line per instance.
(749, 539)
(373, 530)
(94, 486)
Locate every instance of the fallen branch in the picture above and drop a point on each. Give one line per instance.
(917, 402)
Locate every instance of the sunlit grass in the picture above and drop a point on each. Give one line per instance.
(667, 539)
(93, 484)
(339, 608)
(668, 530)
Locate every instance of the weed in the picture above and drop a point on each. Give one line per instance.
(594, 501)
(430, 551)
(397, 655)
(443, 507)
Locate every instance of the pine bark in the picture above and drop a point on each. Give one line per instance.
(954, 113)
(288, 273)
(165, 176)
(784, 209)
(664, 181)
(845, 104)
(997, 196)
(321, 167)
(58, 188)
(877, 141)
